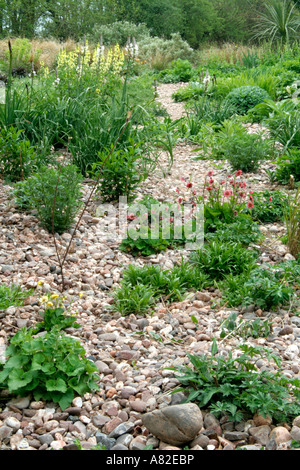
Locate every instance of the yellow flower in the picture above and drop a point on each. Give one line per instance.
(49, 304)
(41, 282)
(54, 296)
(44, 299)
(80, 295)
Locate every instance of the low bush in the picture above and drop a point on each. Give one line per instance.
(49, 364)
(264, 287)
(12, 295)
(235, 387)
(17, 156)
(54, 195)
(268, 206)
(245, 98)
(287, 165)
(217, 260)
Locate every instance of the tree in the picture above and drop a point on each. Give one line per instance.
(279, 22)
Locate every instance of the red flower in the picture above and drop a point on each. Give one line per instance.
(238, 173)
(222, 182)
(131, 217)
(210, 173)
(227, 193)
(211, 181)
(189, 185)
(251, 198)
(271, 199)
(250, 205)
(209, 188)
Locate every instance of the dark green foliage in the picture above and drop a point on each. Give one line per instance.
(234, 386)
(246, 97)
(141, 287)
(265, 287)
(54, 195)
(242, 230)
(268, 206)
(52, 367)
(12, 296)
(17, 157)
(287, 165)
(217, 260)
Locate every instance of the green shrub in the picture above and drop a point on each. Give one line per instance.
(245, 151)
(118, 32)
(159, 52)
(245, 98)
(12, 296)
(266, 288)
(217, 260)
(54, 195)
(233, 386)
(17, 157)
(51, 366)
(120, 175)
(268, 206)
(179, 71)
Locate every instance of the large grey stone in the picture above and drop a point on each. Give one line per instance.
(175, 424)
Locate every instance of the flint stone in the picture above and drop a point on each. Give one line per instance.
(175, 424)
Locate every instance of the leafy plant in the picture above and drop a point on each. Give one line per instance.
(246, 97)
(51, 366)
(17, 157)
(287, 165)
(268, 206)
(233, 385)
(279, 21)
(244, 151)
(245, 329)
(218, 260)
(243, 230)
(55, 195)
(292, 222)
(266, 288)
(12, 296)
(120, 175)
(133, 299)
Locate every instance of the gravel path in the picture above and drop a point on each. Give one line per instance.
(131, 353)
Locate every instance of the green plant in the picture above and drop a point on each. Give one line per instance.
(120, 175)
(244, 328)
(51, 366)
(17, 157)
(233, 385)
(179, 71)
(133, 299)
(265, 287)
(169, 285)
(287, 165)
(279, 21)
(292, 222)
(246, 97)
(242, 231)
(12, 296)
(244, 151)
(268, 206)
(55, 195)
(218, 260)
